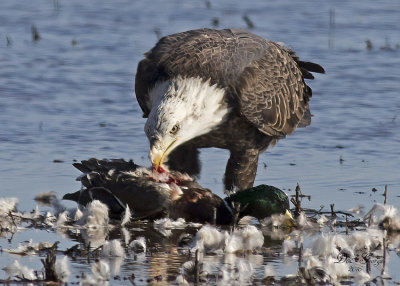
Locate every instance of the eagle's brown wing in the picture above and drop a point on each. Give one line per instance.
(271, 91)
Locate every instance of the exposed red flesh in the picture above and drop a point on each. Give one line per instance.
(160, 169)
(171, 179)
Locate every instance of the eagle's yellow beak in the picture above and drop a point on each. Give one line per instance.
(158, 154)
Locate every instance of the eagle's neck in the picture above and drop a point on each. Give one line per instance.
(191, 100)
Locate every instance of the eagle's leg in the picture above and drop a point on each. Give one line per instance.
(185, 159)
(241, 170)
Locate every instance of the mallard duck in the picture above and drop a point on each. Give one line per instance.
(149, 194)
(152, 194)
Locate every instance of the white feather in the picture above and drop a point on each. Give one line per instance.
(180, 280)
(101, 270)
(288, 245)
(19, 271)
(334, 269)
(138, 245)
(361, 277)
(62, 269)
(62, 219)
(245, 239)
(233, 243)
(113, 248)
(252, 238)
(78, 214)
(245, 271)
(322, 220)
(127, 216)
(164, 225)
(324, 245)
(7, 205)
(90, 280)
(380, 212)
(269, 271)
(95, 215)
(126, 235)
(188, 267)
(312, 262)
(209, 238)
(50, 219)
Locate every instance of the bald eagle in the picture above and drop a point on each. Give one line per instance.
(227, 89)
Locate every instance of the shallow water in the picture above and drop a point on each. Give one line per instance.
(70, 95)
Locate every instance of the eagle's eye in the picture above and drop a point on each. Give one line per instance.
(175, 129)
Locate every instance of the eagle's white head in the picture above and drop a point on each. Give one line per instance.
(181, 109)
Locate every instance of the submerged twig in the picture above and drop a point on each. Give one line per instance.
(385, 194)
(132, 278)
(248, 21)
(297, 202)
(384, 255)
(333, 214)
(12, 218)
(327, 212)
(50, 264)
(368, 266)
(196, 266)
(238, 208)
(35, 33)
(300, 255)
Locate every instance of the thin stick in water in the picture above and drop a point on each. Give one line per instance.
(196, 266)
(385, 194)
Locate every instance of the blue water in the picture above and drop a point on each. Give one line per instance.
(70, 95)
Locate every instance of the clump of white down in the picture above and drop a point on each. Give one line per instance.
(94, 215)
(127, 216)
(29, 248)
(164, 225)
(380, 213)
(269, 271)
(100, 274)
(19, 271)
(62, 269)
(194, 103)
(234, 271)
(210, 239)
(113, 248)
(7, 205)
(138, 245)
(329, 251)
(244, 239)
(239, 273)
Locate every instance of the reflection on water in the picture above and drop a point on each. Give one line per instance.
(286, 256)
(165, 255)
(334, 246)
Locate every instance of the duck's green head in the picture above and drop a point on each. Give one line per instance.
(262, 201)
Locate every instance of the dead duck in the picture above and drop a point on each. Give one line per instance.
(150, 194)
